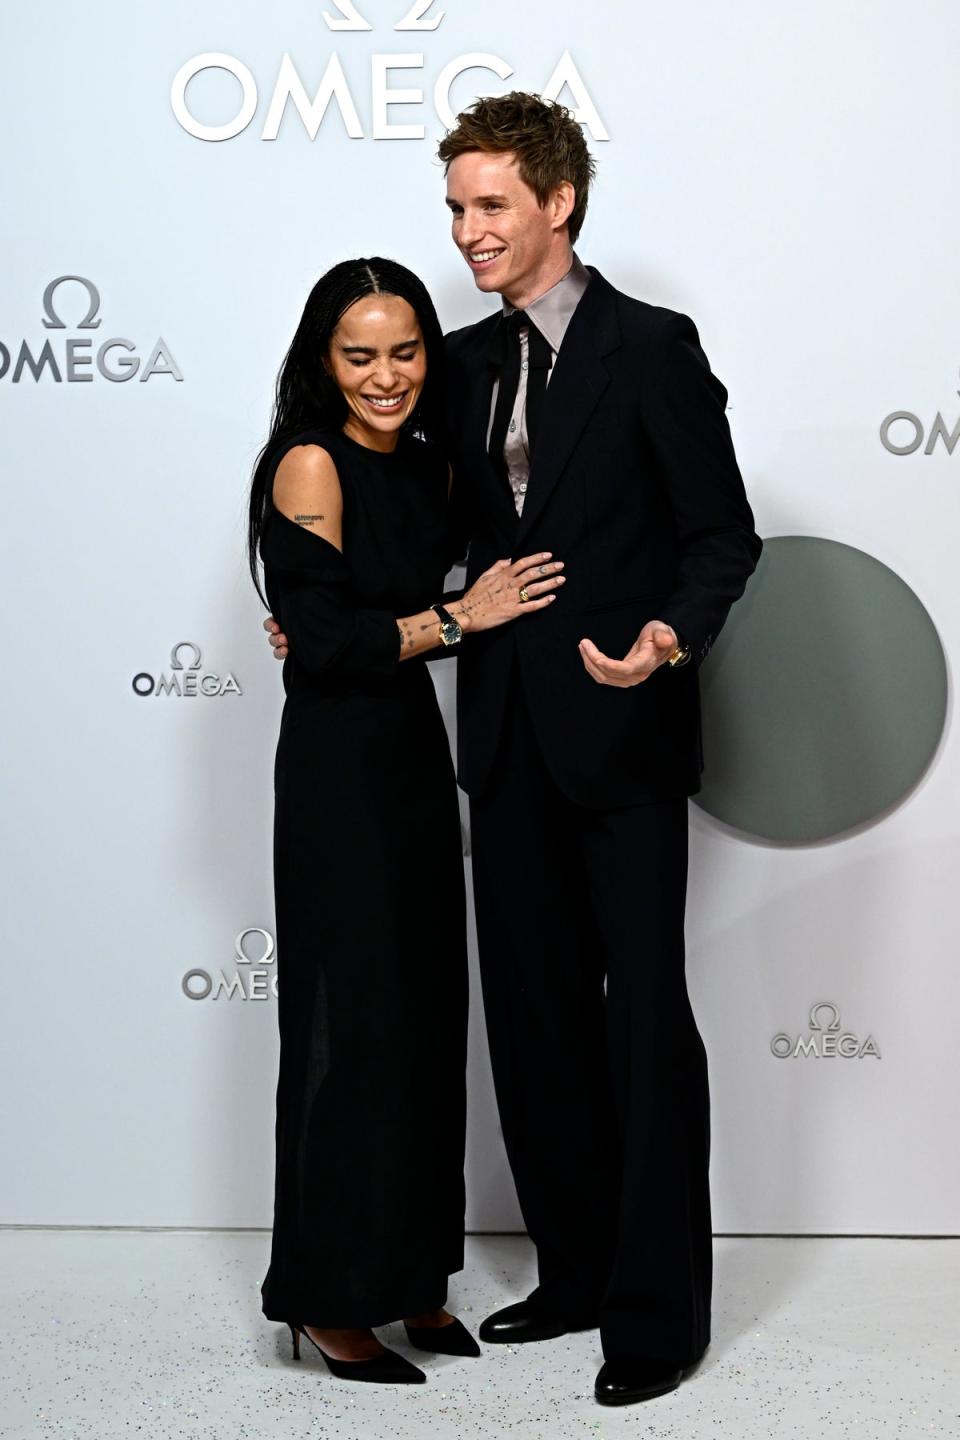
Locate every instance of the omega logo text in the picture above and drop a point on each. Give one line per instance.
(185, 681)
(824, 1041)
(252, 982)
(334, 88)
(910, 432)
(76, 361)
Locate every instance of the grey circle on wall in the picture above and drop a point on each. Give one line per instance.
(824, 697)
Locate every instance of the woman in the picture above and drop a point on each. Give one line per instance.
(349, 513)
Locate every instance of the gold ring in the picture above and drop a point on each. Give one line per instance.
(524, 597)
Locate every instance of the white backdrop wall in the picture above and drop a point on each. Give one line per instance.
(780, 172)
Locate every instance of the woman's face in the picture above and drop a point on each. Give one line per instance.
(378, 359)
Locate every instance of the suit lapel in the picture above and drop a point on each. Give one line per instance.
(579, 378)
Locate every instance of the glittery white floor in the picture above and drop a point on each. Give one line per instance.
(107, 1333)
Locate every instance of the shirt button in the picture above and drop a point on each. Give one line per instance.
(523, 365)
(513, 426)
(523, 488)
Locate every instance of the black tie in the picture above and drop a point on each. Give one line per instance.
(504, 355)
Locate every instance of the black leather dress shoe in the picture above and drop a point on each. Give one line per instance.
(627, 1381)
(520, 1323)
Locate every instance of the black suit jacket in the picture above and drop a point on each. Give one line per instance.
(635, 485)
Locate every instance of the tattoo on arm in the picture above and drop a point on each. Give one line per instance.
(308, 519)
(407, 639)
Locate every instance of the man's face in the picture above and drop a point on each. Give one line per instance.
(498, 225)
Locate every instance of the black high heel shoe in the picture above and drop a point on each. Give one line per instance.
(386, 1369)
(452, 1339)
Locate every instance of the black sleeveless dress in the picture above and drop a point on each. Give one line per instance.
(370, 916)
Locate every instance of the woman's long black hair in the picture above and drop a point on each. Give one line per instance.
(308, 397)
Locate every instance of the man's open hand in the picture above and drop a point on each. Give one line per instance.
(276, 637)
(651, 649)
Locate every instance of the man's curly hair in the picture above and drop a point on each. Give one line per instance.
(546, 139)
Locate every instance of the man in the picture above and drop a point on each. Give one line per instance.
(588, 424)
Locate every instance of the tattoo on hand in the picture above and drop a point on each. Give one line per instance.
(308, 519)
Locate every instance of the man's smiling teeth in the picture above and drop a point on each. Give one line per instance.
(385, 404)
(478, 256)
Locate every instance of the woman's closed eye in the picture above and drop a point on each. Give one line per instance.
(404, 359)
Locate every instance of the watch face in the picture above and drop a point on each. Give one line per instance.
(450, 632)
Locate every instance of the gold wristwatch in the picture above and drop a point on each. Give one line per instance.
(451, 632)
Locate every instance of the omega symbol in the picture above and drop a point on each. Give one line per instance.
(351, 19)
(243, 958)
(176, 663)
(52, 320)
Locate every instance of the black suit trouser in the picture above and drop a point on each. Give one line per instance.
(599, 1069)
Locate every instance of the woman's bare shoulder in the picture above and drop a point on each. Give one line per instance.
(306, 488)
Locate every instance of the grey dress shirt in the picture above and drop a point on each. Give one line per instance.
(551, 312)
